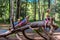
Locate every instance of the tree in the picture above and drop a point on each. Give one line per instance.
(43, 9)
(49, 4)
(26, 9)
(18, 9)
(12, 13)
(35, 10)
(23, 8)
(39, 9)
(44, 1)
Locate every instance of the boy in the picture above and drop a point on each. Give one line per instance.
(15, 23)
(23, 22)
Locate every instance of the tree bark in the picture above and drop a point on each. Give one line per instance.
(18, 9)
(14, 31)
(12, 13)
(49, 4)
(26, 9)
(35, 10)
(43, 10)
(39, 9)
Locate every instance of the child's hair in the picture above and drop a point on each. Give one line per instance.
(18, 19)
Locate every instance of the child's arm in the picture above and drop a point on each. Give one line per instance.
(27, 19)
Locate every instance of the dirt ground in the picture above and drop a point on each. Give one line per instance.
(31, 35)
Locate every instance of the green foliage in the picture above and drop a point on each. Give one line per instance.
(27, 8)
(4, 9)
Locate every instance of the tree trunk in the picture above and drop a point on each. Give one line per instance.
(43, 14)
(35, 11)
(26, 9)
(12, 13)
(9, 9)
(18, 9)
(39, 9)
(49, 4)
(55, 10)
(43, 10)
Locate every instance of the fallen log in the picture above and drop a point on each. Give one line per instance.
(38, 25)
(30, 25)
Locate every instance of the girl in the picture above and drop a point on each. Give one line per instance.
(47, 16)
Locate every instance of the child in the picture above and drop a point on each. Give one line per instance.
(23, 22)
(47, 16)
(48, 19)
(15, 23)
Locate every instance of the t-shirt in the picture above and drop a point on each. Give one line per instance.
(15, 23)
(47, 20)
(47, 15)
(23, 22)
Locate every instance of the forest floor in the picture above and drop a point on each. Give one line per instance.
(37, 37)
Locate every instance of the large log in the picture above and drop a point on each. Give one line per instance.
(34, 25)
(42, 24)
(37, 24)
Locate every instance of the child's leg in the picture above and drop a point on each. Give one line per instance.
(16, 25)
(51, 29)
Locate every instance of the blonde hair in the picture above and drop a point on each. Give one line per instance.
(18, 19)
